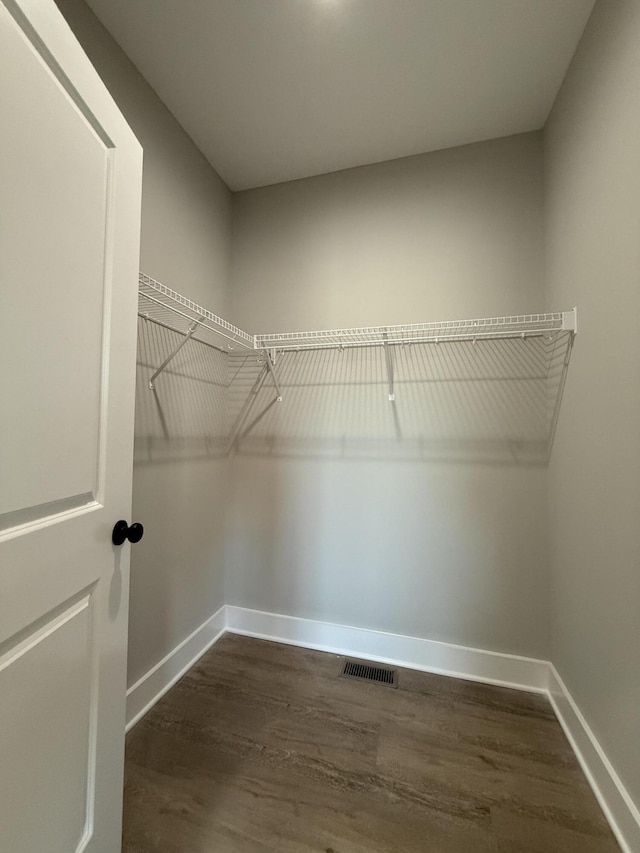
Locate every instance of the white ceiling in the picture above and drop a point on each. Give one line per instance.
(272, 90)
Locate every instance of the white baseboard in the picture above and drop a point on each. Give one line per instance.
(619, 809)
(520, 673)
(504, 670)
(144, 694)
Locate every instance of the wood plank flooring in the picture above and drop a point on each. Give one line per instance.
(263, 747)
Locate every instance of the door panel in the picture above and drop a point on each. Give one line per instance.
(54, 659)
(70, 182)
(52, 253)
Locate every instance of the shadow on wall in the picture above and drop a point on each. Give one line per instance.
(464, 401)
(485, 401)
(185, 416)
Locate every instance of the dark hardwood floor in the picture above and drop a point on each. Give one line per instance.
(263, 747)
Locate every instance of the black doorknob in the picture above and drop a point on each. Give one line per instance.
(122, 531)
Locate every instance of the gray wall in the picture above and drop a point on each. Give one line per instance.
(455, 552)
(177, 570)
(456, 233)
(592, 162)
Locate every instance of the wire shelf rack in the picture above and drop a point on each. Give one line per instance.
(164, 306)
(517, 370)
(524, 325)
(170, 309)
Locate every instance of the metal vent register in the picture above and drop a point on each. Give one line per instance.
(365, 672)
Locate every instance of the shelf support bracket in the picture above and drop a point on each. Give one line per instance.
(389, 360)
(169, 358)
(270, 358)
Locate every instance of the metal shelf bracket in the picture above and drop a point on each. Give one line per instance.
(169, 358)
(270, 359)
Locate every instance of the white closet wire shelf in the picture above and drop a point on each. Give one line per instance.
(485, 382)
(170, 309)
(524, 325)
(166, 307)
(162, 305)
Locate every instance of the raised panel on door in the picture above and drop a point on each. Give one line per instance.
(55, 169)
(47, 697)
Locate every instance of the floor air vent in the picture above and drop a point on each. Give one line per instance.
(366, 672)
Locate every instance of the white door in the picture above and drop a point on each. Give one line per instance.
(70, 183)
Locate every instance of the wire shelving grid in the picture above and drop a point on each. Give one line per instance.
(162, 305)
(551, 336)
(524, 325)
(170, 309)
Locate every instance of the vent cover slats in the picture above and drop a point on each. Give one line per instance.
(367, 672)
